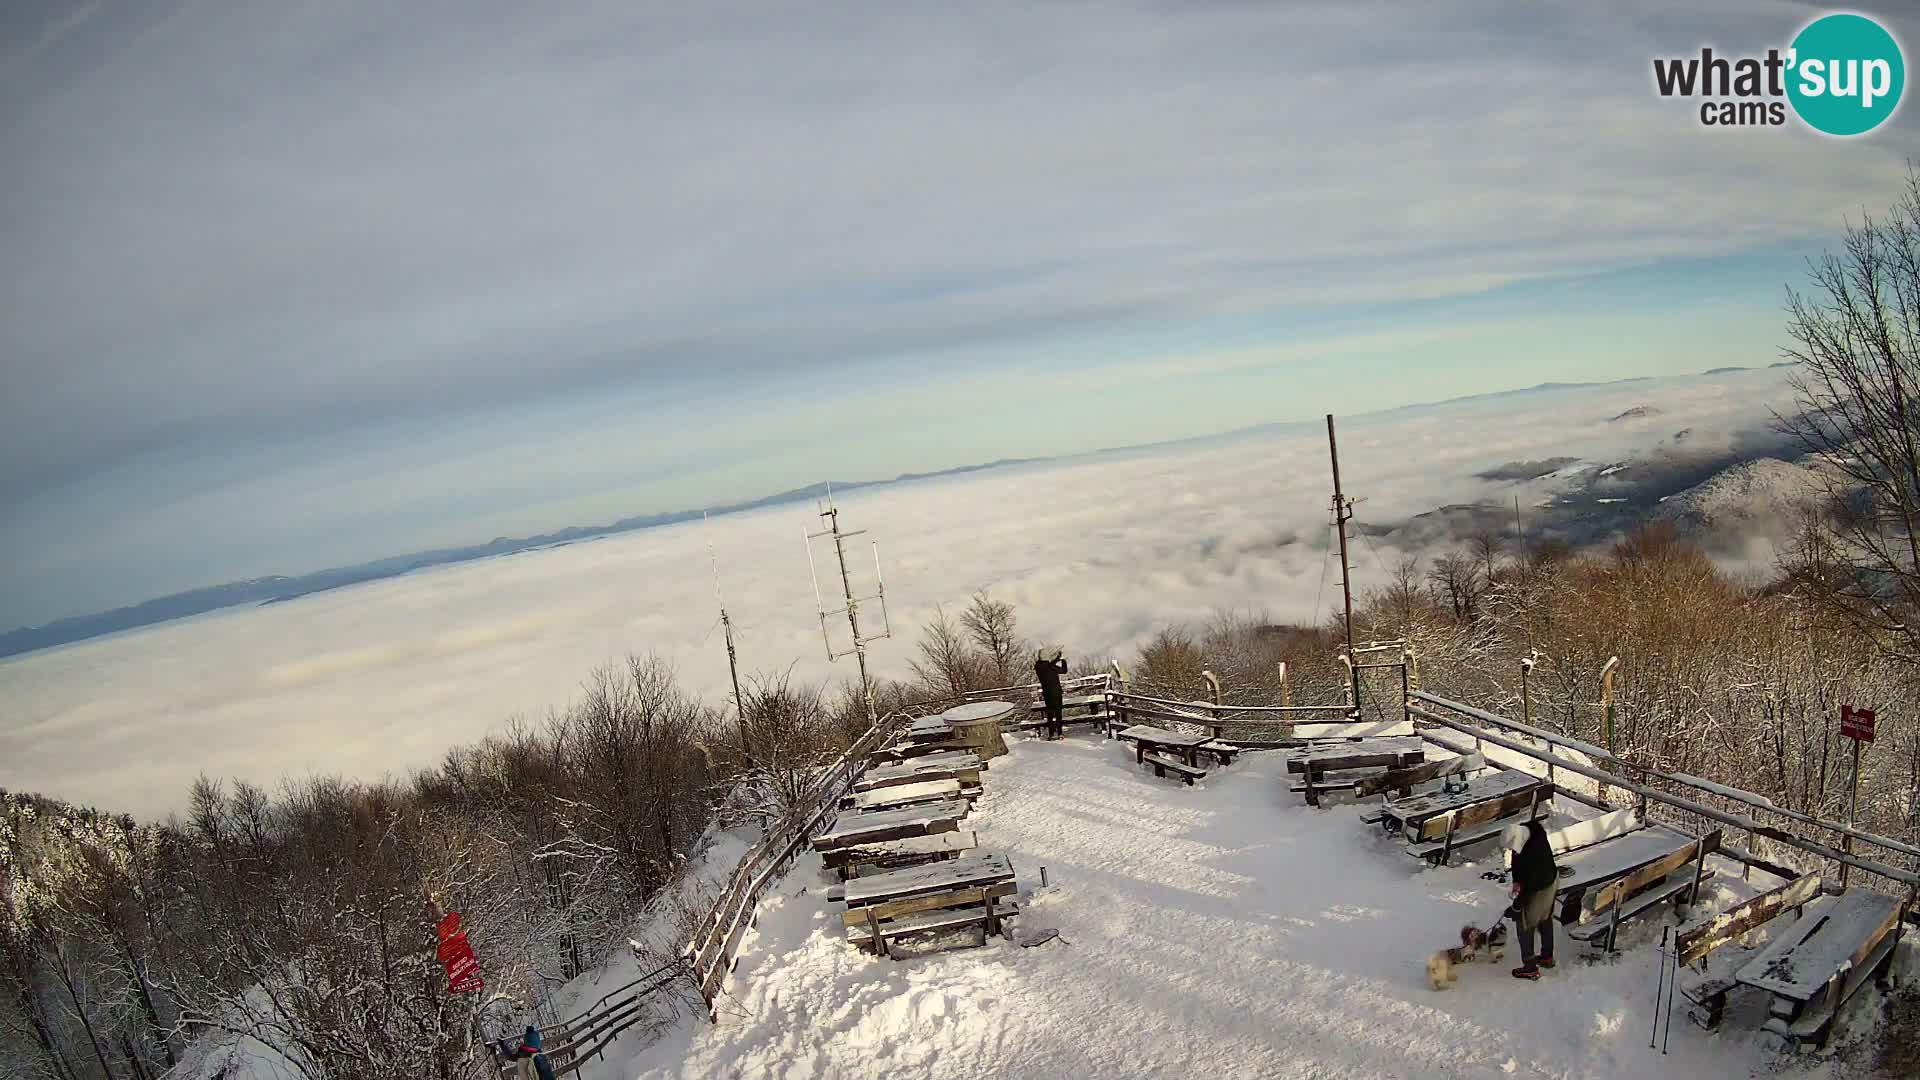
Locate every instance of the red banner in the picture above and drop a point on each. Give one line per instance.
(1856, 724)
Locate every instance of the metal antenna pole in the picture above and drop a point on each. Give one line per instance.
(733, 657)
(1342, 513)
(853, 611)
(831, 515)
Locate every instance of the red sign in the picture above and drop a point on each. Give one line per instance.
(463, 969)
(1856, 724)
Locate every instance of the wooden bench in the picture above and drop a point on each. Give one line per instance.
(1640, 890)
(1438, 823)
(878, 927)
(1353, 759)
(977, 870)
(1163, 764)
(1223, 751)
(1838, 944)
(1698, 940)
(1440, 852)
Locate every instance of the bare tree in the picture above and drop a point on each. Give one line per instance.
(991, 625)
(1856, 338)
(947, 664)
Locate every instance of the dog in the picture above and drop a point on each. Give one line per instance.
(1473, 942)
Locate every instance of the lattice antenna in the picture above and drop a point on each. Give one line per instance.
(851, 603)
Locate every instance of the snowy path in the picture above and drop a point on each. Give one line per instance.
(1218, 931)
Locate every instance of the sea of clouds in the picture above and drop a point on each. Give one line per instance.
(1097, 553)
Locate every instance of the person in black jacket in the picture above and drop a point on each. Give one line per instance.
(1535, 877)
(1049, 672)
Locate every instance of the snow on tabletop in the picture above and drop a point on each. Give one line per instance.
(1220, 932)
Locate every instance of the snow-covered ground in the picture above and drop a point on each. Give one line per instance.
(1219, 931)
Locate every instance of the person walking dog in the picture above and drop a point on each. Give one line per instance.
(1049, 672)
(1535, 876)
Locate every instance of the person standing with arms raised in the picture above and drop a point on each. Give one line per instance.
(1051, 697)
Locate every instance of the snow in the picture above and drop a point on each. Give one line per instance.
(1224, 930)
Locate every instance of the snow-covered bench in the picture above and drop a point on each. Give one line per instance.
(899, 854)
(1698, 940)
(880, 926)
(1343, 765)
(1838, 944)
(1674, 876)
(1164, 763)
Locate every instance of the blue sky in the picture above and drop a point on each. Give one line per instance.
(294, 286)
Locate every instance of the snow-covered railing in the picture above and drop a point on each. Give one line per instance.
(572, 1042)
(1612, 771)
(711, 951)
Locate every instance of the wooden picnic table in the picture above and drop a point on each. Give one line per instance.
(1611, 858)
(1412, 811)
(967, 871)
(1146, 736)
(1828, 940)
(1390, 753)
(905, 794)
(962, 765)
(870, 826)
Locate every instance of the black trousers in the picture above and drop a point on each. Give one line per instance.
(1054, 711)
(1534, 914)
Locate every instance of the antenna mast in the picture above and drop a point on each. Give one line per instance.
(733, 658)
(1342, 513)
(831, 515)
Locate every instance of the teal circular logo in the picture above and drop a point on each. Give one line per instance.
(1845, 74)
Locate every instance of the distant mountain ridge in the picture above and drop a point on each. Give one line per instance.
(275, 588)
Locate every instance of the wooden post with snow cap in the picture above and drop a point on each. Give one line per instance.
(1116, 701)
(1286, 691)
(1213, 685)
(1606, 711)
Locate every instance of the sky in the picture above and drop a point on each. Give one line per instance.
(292, 286)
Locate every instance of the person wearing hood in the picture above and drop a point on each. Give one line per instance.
(1049, 672)
(532, 1056)
(1535, 877)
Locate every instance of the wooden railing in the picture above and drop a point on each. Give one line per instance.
(574, 1041)
(1679, 795)
(711, 952)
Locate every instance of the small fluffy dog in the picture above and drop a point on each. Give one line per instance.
(1473, 942)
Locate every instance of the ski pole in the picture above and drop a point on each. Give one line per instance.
(1673, 984)
(1659, 988)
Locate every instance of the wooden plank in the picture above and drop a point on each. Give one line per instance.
(1666, 889)
(1833, 936)
(976, 869)
(1358, 754)
(1151, 735)
(1595, 830)
(1428, 804)
(1599, 863)
(943, 919)
(913, 905)
(906, 794)
(936, 844)
(1506, 803)
(1352, 729)
(1400, 779)
(874, 826)
(1697, 940)
(1595, 901)
(1478, 834)
(1812, 1023)
(858, 916)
